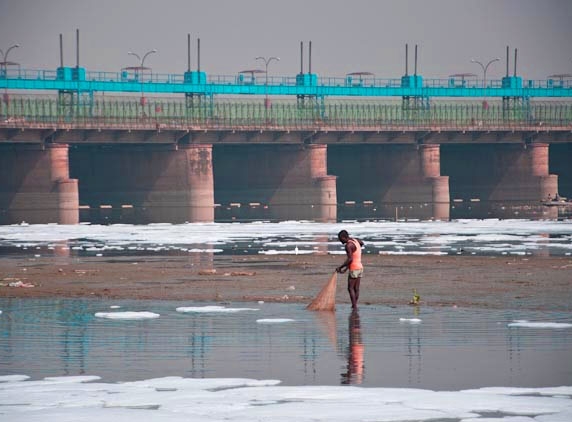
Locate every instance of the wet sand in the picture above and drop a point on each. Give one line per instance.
(528, 282)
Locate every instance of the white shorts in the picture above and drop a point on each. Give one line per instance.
(356, 273)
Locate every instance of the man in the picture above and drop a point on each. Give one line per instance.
(353, 264)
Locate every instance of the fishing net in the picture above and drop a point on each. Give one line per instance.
(326, 299)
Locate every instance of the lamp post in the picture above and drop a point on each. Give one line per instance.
(141, 68)
(141, 60)
(266, 63)
(4, 69)
(5, 55)
(485, 67)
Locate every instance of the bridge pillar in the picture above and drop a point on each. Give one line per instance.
(385, 181)
(159, 183)
(430, 156)
(306, 192)
(35, 185)
(547, 183)
(501, 180)
(287, 182)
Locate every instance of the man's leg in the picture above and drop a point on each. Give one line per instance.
(357, 289)
(354, 294)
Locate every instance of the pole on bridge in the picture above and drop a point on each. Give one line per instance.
(406, 60)
(61, 51)
(77, 48)
(515, 57)
(301, 57)
(507, 52)
(198, 54)
(310, 57)
(188, 52)
(415, 69)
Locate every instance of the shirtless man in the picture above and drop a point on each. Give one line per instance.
(353, 264)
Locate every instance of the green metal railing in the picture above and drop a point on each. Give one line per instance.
(240, 114)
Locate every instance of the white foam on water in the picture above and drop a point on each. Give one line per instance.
(274, 320)
(73, 379)
(411, 320)
(13, 378)
(115, 307)
(528, 324)
(420, 253)
(127, 315)
(475, 232)
(286, 252)
(211, 309)
(175, 399)
(501, 419)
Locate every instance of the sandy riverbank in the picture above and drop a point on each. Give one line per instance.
(530, 282)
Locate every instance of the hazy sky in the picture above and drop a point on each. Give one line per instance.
(351, 35)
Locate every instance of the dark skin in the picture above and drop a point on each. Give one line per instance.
(353, 283)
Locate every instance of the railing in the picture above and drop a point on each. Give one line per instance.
(155, 112)
(324, 81)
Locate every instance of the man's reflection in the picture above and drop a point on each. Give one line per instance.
(355, 372)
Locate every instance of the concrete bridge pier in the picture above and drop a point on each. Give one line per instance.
(35, 186)
(287, 182)
(306, 192)
(430, 157)
(388, 181)
(547, 183)
(158, 183)
(502, 180)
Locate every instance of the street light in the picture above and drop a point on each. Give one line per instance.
(141, 68)
(485, 67)
(141, 60)
(266, 63)
(5, 61)
(4, 69)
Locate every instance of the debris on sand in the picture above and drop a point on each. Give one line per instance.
(207, 272)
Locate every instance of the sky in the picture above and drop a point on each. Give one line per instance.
(347, 36)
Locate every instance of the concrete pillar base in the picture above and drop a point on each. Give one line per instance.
(147, 184)
(286, 182)
(440, 197)
(35, 186)
(306, 192)
(391, 181)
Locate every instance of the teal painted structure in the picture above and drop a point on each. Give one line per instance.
(80, 80)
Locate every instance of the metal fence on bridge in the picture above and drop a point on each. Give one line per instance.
(244, 114)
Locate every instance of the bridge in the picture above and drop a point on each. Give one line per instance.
(134, 146)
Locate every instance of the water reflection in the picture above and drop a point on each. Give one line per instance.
(327, 323)
(449, 349)
(355, 354)
(414, 350)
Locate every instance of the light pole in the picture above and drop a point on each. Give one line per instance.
(4, 69)
(141, 60)
(5, 61)
(266, 63)
(485, 67)
(141, 68)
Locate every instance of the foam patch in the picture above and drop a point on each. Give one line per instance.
(127, 315)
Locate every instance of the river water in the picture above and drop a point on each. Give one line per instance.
(381, 346)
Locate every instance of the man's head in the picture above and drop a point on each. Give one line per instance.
(343, 236)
